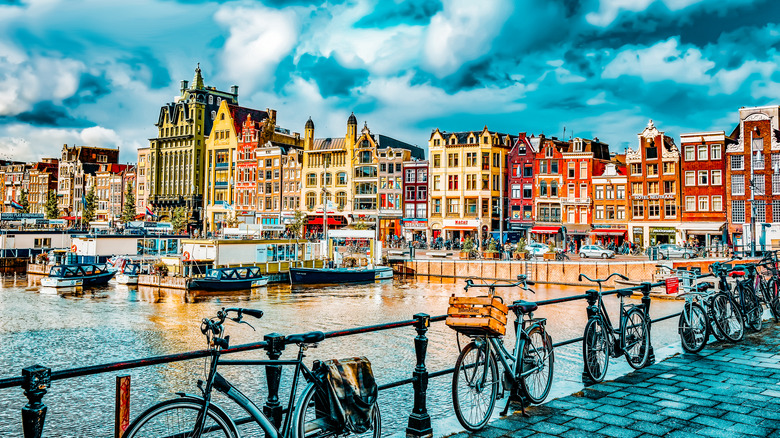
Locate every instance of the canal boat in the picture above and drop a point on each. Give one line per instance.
(339, 275)
(129, 272)
(229, 279)
(77, 275)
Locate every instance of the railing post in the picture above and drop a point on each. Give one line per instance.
(37, 379)
(646, 286)
(419, 421)
(273, 373)
(593, 296)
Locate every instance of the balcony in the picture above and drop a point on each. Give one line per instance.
(576, 201)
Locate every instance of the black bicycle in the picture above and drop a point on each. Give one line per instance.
(766, 284)
(746, 297)
(191, 416)
(602, 340)
(724, 309)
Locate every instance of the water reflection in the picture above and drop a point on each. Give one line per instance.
(64, 329)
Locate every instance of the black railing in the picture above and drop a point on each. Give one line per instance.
(36, 379)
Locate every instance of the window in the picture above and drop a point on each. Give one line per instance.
(583, 191)
(453, 205)
(620, 192)
(571, 170)
(703, 178)
(471, 206)
(528, 171)
(758, 180)
(311, 180)
(436, 182)
(610, 194)
(554, 167)
(636, 169)
(737, 162)
(610, 212)
(737, 209)
(383, 167)
(717, 203)
(689, 151)
(717, 178)
(670, 208)
(690, 203)
(311, 200)
(653, 208)
(543, 167)
(422, 193)
(496, 160)
(437, 205)
(760, 209)
(543, 188)
(554, 189)
(652, 170)
(737, 184)
(516, 191)
(758, 160)
(422, 175)
(548, 152)
(410, 193)
(422, 210)
(471, 182)
(668, 168)
(341, 179)
(436, 160)
(637, 188)
(776, 186)
(715, 152)
(621, 213)
(485, 182)
(583, 170)
(637, 209)
(670, 186)
(599, 192)
(702, 152)
(776, 210)
(599, 212)
(409, 210)
(704, 203)
(452, 160)
(471, 159)
(485, 160)
(776, 163)
(327, 179)
(528, 191)
(452, 182)
(652, 187)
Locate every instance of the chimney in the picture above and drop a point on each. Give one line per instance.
(184, 85)
(234, 90)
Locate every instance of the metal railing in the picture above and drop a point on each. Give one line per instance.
(36, 380)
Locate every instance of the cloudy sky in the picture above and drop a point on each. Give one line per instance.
(96, 71)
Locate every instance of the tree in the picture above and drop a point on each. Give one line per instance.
(24, 202)
(128, 210)
(88, 215)
(52, 211)
(299, 220)
(179, 220)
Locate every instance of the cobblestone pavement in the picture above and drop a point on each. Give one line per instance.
(727, 390)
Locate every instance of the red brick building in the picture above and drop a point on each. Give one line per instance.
(610, 221)
(521, 184)
(582, 160)
(415, 190)
(703, 186)
(548, 188)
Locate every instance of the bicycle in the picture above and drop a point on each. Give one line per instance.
(197, 416)
(600, 339)
(770, 292)
(725, 311)
(528, 370)
(751, 309)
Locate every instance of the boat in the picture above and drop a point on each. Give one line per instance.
(77, 275)
(129, 273)
(339, 275)
(227, 279)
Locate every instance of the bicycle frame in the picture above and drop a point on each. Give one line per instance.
(600, 311)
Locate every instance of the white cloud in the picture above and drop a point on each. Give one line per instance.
(663, 61)
(24, 142)
(259, 39)
(598, 99)
(609, 10)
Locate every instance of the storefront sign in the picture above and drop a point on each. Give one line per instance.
(662, 230)
(462, 223)
(415, 224)
(19, 216)
(664, 196)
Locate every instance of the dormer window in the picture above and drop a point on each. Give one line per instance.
(578, 145)
(211, 100)
(213, 115)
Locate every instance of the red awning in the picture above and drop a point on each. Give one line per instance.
(318, 221)
(545, 230)
(71, 218)
(140, 216)
(609, 231)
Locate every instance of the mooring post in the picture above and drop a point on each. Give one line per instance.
(122, 405)
(37, 379)
(273, 408)
(419, 420)
(593, 296)
(646, 286)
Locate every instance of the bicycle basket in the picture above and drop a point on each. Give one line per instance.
(474, 316)
(352, 391)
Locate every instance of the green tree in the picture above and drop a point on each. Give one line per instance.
(52, 211)
(24, 202)
(88, 215)
(299, 220)
(179, 220)
(128, 210)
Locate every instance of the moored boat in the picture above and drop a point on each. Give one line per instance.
(77, 275)
(339, 275)
(227, 279)
(129, 273)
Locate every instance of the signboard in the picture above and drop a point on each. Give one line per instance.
(662, 230)
(57, 222)
(655, 196)
(417, 224)
(273, 227)
(462, 223)
(19, 216)
(672, 285)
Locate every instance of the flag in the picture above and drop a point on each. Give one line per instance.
(149, 211)
(16, 205)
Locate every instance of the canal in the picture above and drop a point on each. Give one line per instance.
(65, 330)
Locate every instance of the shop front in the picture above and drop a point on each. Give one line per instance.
(578, 236)
(415, 230)
(460, 229)
(662, 235)
(703, 234)
(609, 237)
(548, 233)
(389, 229)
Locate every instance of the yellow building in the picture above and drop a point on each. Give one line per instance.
(467, 183)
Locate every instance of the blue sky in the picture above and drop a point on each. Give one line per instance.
(96, 71)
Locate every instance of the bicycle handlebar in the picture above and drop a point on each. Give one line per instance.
(601, 280)
(470, 284)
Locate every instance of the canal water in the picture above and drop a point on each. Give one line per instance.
(65, 329)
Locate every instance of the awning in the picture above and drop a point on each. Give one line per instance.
(611, 231)
(545, 229)
(578, 229)
(318, 221)
(140, 216)
(71, 218)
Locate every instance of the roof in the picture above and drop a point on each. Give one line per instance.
(321, 144)
(240, 113)
(383, 141)
(462, 137)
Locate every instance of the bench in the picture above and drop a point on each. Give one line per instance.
(440, 254)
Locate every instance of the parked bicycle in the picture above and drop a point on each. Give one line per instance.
(746, 297)
(697, 321)
(602, 340)
(767, 284)
(527, 370)
(725, 310)
(312, 415)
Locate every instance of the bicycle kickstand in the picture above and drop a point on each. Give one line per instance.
(522, 406)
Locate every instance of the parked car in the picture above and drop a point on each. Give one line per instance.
(668, 251)
(536, 249)
(596, 251)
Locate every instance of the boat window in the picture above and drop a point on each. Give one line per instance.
(241, 273)
(213, 274)
(56, 271)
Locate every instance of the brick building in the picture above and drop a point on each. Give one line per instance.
(610, 221)
(520, 166)
(549, 185)
(415, 186)
(582, 159)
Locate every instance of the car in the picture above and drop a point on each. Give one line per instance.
(536, 249)
(596, 251)
(668, 251)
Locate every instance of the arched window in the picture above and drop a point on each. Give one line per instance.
(543, 188)
(213, 115)
(341, 179)
(341, 200)
(554, 189)
(311, 200)
(325, 197)
(211, 100)
(327, 179)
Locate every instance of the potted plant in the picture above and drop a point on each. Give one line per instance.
(465, 250)
(521, 250)
(491, 251)
(550, 254)
(160, 268)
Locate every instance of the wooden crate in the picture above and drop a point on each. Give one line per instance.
(477, 315)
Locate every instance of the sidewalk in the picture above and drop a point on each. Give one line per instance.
(727, 390)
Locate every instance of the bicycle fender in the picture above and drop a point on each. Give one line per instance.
(212, 405)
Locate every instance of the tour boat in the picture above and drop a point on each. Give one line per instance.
(77, 275)
(227, 279)
(339, 275)
(129, 273)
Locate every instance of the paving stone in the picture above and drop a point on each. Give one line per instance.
(549, 428)
(619, 432)
(522, 433)
(739, 418)
(584, 424)
(615, 410)
(491, 432)
(647, 416)
(582, 413)
(615, 420)
(749, 429)
(677, 413)
(718, 433)
(728, 407)
(572, 433)
(712, 421)
(673, 404)
(648, 427)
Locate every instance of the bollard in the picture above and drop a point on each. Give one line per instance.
(419, 421)
(37, 379)
(122, 405)
(646, 286)
(273, 408)
(593, 297)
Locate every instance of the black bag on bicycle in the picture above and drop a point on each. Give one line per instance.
(352, 391)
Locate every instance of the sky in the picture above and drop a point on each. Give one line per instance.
(96, 72)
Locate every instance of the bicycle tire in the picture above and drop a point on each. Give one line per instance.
(635, 338)
(537, 353)
(313, 418)
(714, 329)
(752, 310)
(473, 382)
(770, 298)
(157, 421)
(728, 317)
(595, 350)
(693, 328)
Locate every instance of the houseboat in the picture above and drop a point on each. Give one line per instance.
(77, 275)
(230, 279)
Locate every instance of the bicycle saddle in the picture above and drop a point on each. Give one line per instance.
(701, 287)
(305, 338)
(525, 306)
(736, 274)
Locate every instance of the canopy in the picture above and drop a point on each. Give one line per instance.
(545, 229)
(318, 221)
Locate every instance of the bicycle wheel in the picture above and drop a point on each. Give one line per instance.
(711, 316)
(595, 350)
(635, 338)
(313, 418)
(768, 292)
(177, 417)
(752, 310)
(693, 328)
(728, 318)
(537, 356)
(474, 386)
